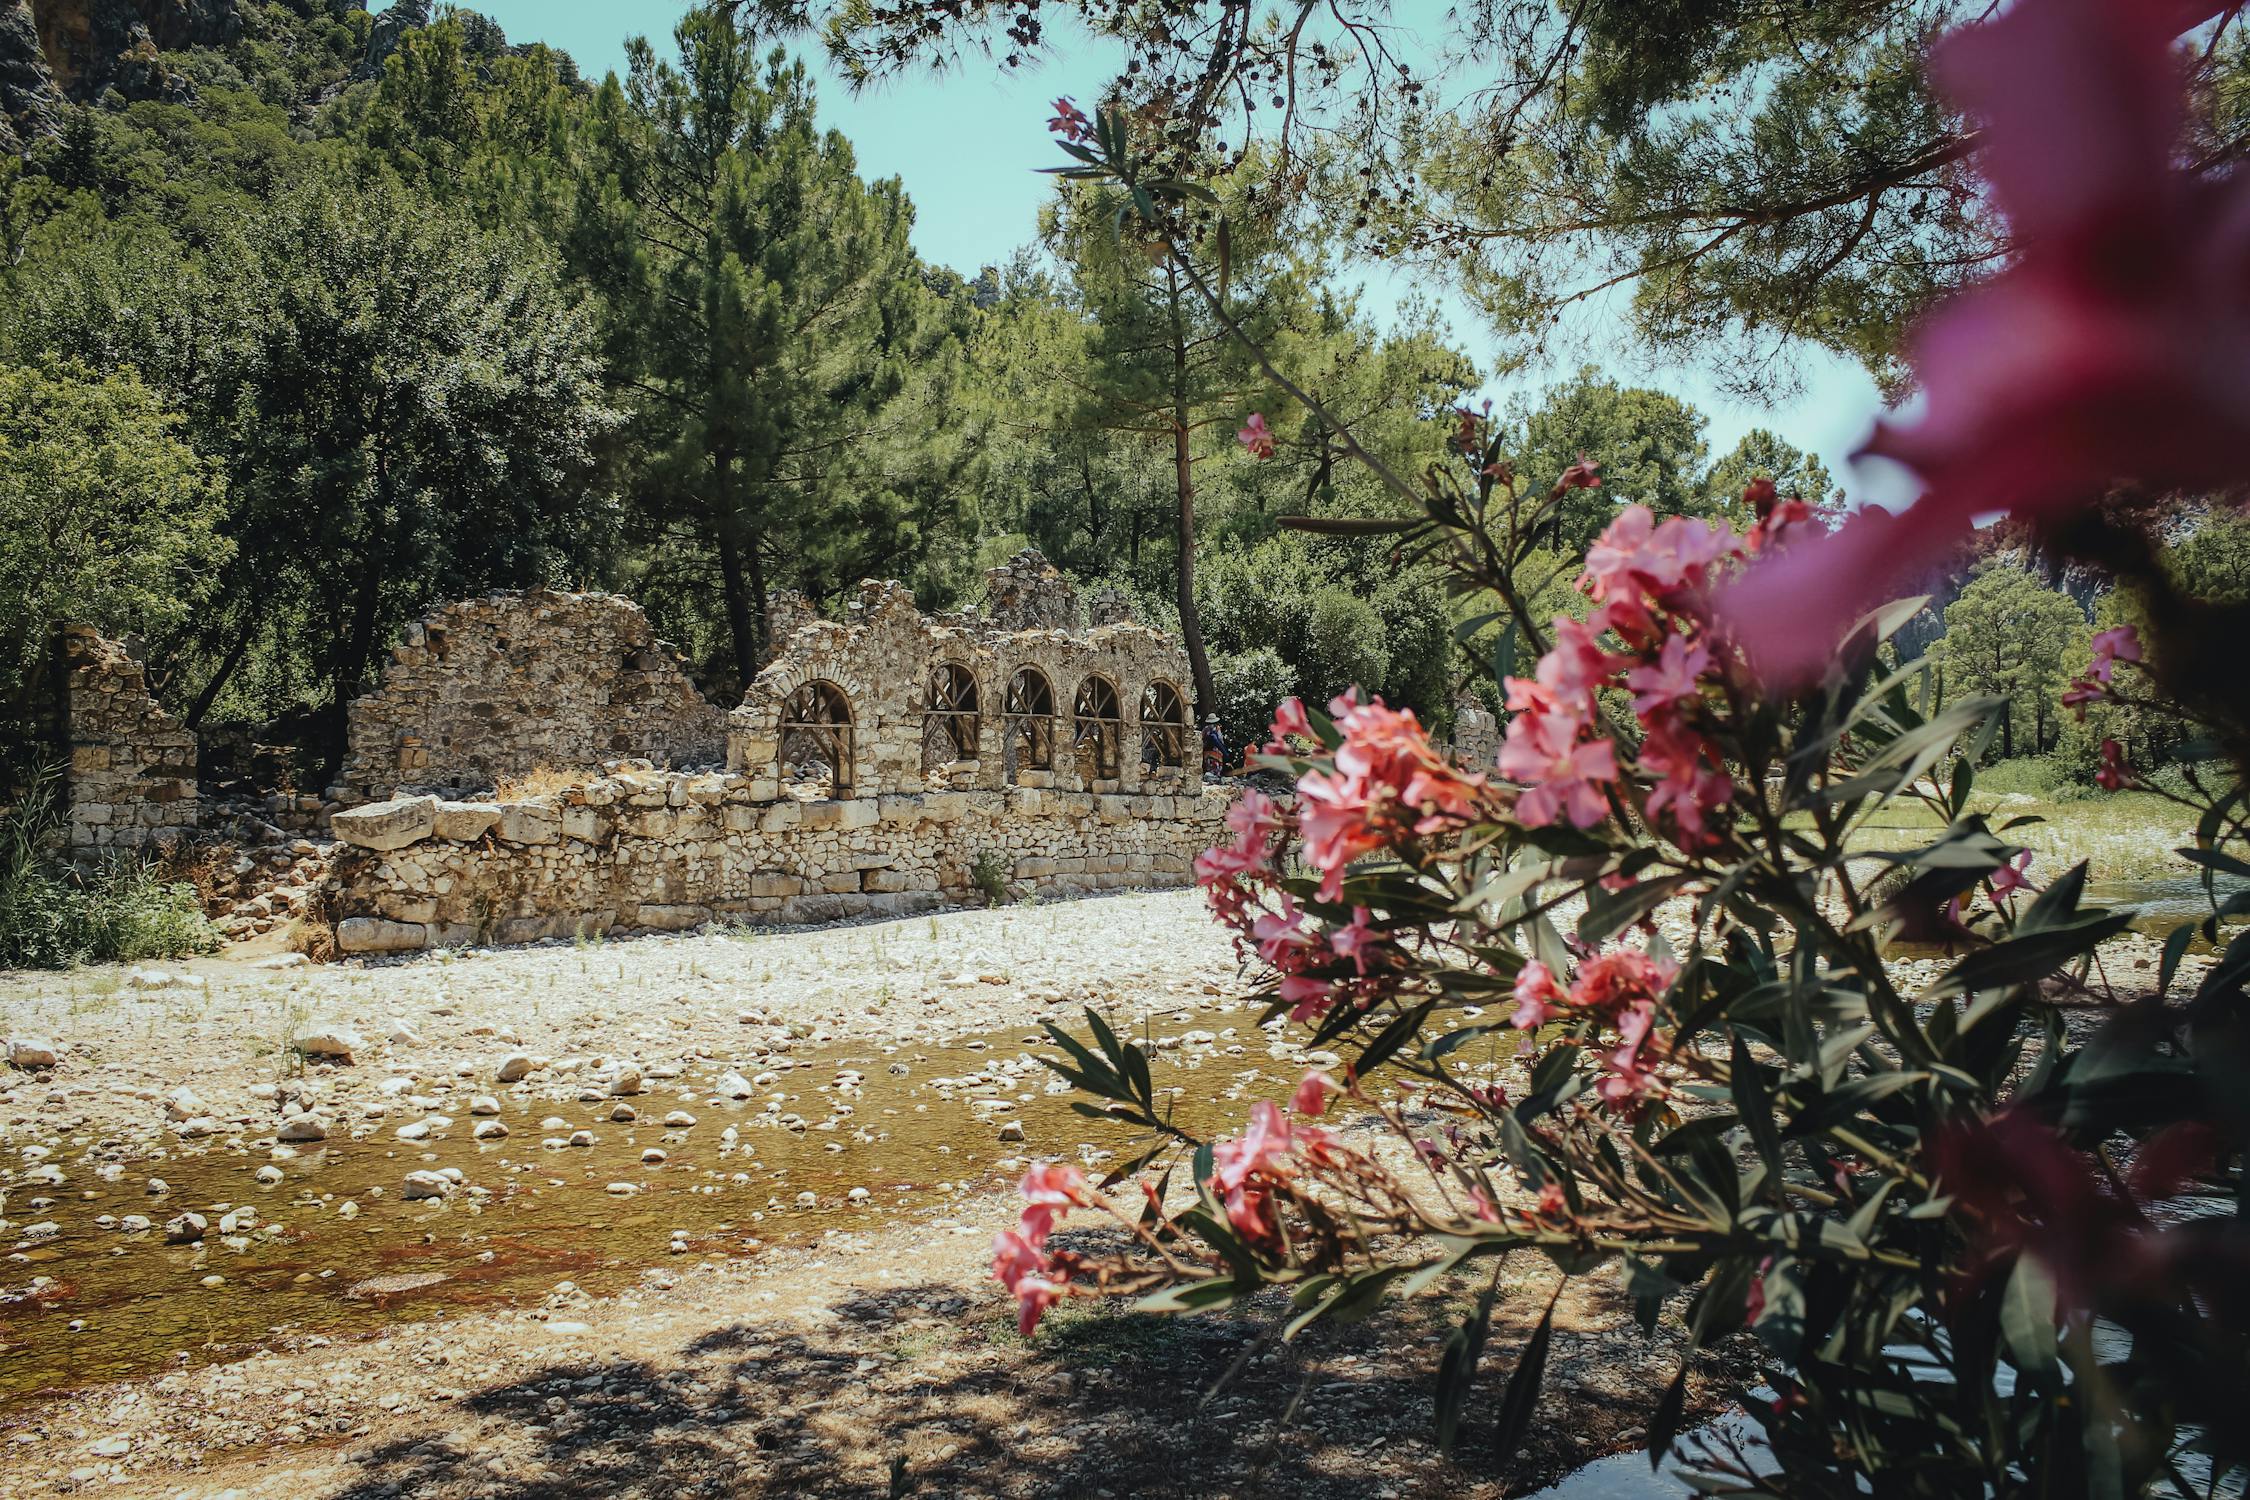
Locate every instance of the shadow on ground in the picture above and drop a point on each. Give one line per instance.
(925, 1390)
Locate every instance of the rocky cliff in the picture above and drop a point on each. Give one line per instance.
(78, 50)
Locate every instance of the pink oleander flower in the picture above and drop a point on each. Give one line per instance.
(2114, 773)
(1481, 1204)
(1575, 667)
(2114, 346)
(1636, 555)
(1069, 122)
(1613, 984)
(1283, 938)
(2011, 877)
(1048, 1190)
(1560, 774)
(1768, 528)
(1024, 1269)
(2119, 643)
(1289, 722)
(1359, 939)
(1631, 1075)
(1313, 1094)
(1264, 1147)
(1582, 475)
(2084, 691)
(1254, 437)
(1552, 1201)
(1388, 781)
(1307, 995)
(1691, 787)
(1539, 997)
(1257, 826)
(1674, 677)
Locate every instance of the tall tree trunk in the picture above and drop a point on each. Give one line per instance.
(226, 668)
(1183, 471)
(741, 626)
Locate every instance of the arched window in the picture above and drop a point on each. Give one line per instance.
(1027, 721)
(1097, 726)
(1164, 726)
(949, 724)
(816, 737)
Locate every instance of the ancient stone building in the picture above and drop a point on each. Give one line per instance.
(495, 687)
(883, 763)
(131, 778)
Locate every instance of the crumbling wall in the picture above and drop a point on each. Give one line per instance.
(1476, 734)
(653, 849)
(131, 778)
(1027, 592)
(491, 688)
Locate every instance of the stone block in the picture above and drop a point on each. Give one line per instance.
(466, 822)
(783, 816)
(530, 823)
(407, 908)
(843, 884)
(377, 935)
(886, 881)
(387, 825)
(672, 918)
(775, 883)
(1035, 867)
(860, 812)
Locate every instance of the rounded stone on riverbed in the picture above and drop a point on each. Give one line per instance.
(426, 1185)
(514, 1068)
(186, 1229)
(268, 1176)
(624, 1114)
(678, 1119)
(490, 1130)
(624, 1189)
(29, 1052)
(654, 1155)
(484, 1104)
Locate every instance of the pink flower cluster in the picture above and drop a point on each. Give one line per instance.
(1245, 1169)
(1035, 1278)
(1650, 580)
(2119, 643)
(1070, 122)
(1255, 437)
(1618, 990)
(1389, 781)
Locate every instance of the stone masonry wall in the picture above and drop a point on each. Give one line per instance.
(644, 849)
(131, 781)
(494, 687)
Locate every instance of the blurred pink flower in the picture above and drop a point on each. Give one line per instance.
(2114, 773)
(1289, 722)
(1255, 439)
(1560, 775)
(1312, 1095)
(2012, 877)
(2115, 346)
(1612, 984)
(1069, 122)
(1672, 678)
(1636, 555)
(1539, 997)
(2119, 643)
(1691, 786)
(1261, 1148)
(1582, 475)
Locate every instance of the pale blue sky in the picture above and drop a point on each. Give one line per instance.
(968, 147)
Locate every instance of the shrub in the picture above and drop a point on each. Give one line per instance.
(53, 916)
(1250, 685)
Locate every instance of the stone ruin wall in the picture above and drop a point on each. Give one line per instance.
(673, 850)
(130, 781)
(880, 764)
(495, 687)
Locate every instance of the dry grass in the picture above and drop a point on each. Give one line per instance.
(539, 781)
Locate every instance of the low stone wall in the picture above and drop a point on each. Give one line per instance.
(671, 850)
(131, 778)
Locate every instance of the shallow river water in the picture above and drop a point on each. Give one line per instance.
(333, 1246)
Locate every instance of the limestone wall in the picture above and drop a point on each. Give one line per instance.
(131, 778)
(656, 849)
(494, 687)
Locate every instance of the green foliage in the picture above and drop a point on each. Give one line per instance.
(52, 917)
(1650, 447)
(788, 374)
(2011, 637)
(106, 516)
(1251, 683)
